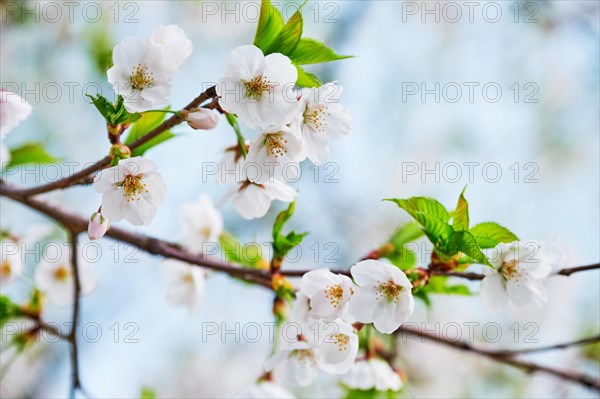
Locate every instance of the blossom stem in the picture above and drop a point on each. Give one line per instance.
(232, 120)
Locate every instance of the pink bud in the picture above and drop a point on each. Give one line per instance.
(98, 226)
(202, 118)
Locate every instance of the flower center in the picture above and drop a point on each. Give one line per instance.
(342, 341)
(188, 278)
(133, 187)
(510, 270)
(5, 269)
(275, 144)
(61, 273)
(141, 77)
(205, 232)
(306, 355)
(256, 87)
(389, 291)
(334, 293)
(317, 117)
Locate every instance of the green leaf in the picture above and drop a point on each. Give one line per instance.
(8, 310)
(288, 38)
(424, 205)
(460, 220)
(282, 244)
(114, 114)
(405, 234)
(423, 296)
(310, 51)
(403, 257)
(468, 245)
(28, 153)
(490, 234)
(307, 79)
(270, 23)
(147, 393)
(146, 123)
(439, 285)
(248, 255)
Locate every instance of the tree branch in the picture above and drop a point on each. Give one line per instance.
(75, 382)
(77, 177)
(506, 358)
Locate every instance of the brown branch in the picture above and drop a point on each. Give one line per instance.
(503, 357)
(75, 382)
(572, 344)
(77, 177)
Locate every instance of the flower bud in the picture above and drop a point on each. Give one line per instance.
(118, 152)
(98, 226)
(203, 119)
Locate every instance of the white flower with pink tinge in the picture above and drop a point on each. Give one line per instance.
(54, 276)
(202, 225)
(253, 200)
(517, 274)
(383, 296)
(265, 390)
(327, 293)
(131, 190)
(186, 284)
(259, 89)
(372, 374)
(13, 111)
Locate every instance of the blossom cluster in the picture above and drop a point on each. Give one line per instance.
(293, 125)
(324, 311)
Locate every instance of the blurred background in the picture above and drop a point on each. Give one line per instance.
(500, 96)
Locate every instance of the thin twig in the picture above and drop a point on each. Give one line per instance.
(75, 382)
(77, 177)
(502, 357)
(572, 344)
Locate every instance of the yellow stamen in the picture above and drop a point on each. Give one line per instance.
(141, 77)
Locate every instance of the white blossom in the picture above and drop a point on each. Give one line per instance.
(12, 262)
(328, 293)
(253, 200)
(13, 110)
(97, 226)
(231, 166)
(322, 118)
(258, 89)
(173, 44)
(275, 153)
(517, 273)
(202, 224)
(329, 346)
(54, 276)
(131, 190)
(372, 373)
(186, 283)
(383, 297)
(265, 390)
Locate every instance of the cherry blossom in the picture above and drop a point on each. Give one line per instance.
(383, 297)
(54, 276)
(202, 119)
(258, 89)
(13, 111)
(275, 152)
(186, 283)
(322, 119)
(253, 200)
(173, 44)
(327, 293)
(372, 373)
(12, 262)
(265, 390)
(329, 346)
(131, 190)
(231, 166)
(202, 224)
(517, 273)
(97, 226)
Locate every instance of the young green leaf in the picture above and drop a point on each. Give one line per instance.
(113, 114)
(248, 255)
(307, 79)
(460, 220)
(282, 244)
(270, 23)
(423, 205)
(30, 153)
(439, 285)
(490, 234)
(468, 245)
(310, 51)
(288, 38)
(405, 234)
(8, 310)
(147, 393)
(403, 257)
